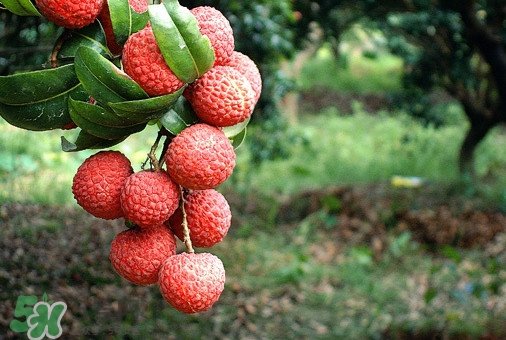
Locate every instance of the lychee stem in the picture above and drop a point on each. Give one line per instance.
(186, 231)
(57, 47)
(151, 155)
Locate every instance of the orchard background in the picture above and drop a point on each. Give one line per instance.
(326, 240)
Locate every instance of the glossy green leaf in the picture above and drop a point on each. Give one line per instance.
(125, 21)
(105, 82)
(150, 108)
(179, 117)
(92, 36)
(186, 51)
(47, 114)
(232, 131)
(99, 115)
(237, 133)
(35, 86)
(21, 7)
(238, 139)
(87, 141)
(101, 131)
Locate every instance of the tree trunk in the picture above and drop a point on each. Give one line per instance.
(475, 134)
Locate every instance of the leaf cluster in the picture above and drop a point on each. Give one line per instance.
(86, 86)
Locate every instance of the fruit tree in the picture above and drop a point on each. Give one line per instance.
(117, 66)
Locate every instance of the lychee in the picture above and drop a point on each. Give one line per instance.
(149, 198)
(217, 28)
(70, 13)
(247, 67)
(221, 97)
(137, 254)
(200, 157)
(139, 6)
(98, 182)
(144, 62)
(208, 216)
(192, 283)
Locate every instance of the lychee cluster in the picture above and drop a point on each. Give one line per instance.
(224, 96)
(174, 196)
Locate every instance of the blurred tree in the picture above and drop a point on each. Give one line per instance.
(455, 45)
(25, 42)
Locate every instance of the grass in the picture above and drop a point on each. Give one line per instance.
(355, 72)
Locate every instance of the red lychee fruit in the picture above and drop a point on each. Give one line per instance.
(137, 254)
(139, 6)
(149, 198)
(208, 216)
(70, 14)
(217, 28)
(200, 157)
(192, 283)
(144, 62)
(247, 67)
(221, 97)
(98, 182)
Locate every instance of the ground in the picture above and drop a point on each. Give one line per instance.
(63, 252)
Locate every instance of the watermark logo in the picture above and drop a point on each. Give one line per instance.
(42, 317)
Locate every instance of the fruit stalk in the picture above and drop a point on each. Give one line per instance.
(186, 231)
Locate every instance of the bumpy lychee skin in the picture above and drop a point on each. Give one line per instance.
(192, 283)
(149, 198)
(98, 182)
(217, 28)
(222, 97)
(249, 69)
(70, 13)
(208, 216)
(200, 157)
(138, 254)
(144, 62)
(139, 6)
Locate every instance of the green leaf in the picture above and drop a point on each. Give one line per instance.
(150, 108)
(105, 82)
(186, 51)
(87, 141)
(99, 115)
(232, 131)
(92, 36)
(47, 114)
(21, 7)
(101, 131)
(35, 86)
(237, 133)
(238, 139)
(125, 21)
(179, 117)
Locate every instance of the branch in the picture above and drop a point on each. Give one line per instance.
(488, 44)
